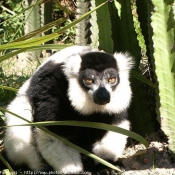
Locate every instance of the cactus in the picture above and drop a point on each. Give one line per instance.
(32, 22)
(163, 37)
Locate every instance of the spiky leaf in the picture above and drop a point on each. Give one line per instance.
(164, 56)
(104, 25)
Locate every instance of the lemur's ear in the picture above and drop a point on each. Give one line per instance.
(124, 61)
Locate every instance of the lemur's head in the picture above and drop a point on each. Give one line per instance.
(99, 82)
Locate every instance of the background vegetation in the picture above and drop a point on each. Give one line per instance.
(32, 30)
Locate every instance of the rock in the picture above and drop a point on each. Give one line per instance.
(135, 166)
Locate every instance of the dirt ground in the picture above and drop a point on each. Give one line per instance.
(155, 161)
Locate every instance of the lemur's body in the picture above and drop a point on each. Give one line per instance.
(76, 83)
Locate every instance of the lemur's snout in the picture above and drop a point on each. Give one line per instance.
(101, 96)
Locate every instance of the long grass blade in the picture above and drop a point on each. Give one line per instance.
(139, 77)
(49, 47)
(82, 124)
(33, 48)
(95, 125)
(41, 29)
(11, 54)
(30, 42)
(9, 88)
(6, 163)
(40, 40)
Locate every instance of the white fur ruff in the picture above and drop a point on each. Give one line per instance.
(18, 141)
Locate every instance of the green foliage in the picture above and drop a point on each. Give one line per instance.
(157, 23)
(15, 5)
(9, 81)
(125, 37)
(162, 23)
(11, 29)
(104, 28)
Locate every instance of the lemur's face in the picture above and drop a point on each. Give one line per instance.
(99, 85)
(98, 82)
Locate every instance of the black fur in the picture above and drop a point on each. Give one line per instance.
(98, 61)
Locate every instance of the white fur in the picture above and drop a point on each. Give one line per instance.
(18, 141)
(112, 145)
(62, 158)
(61, 56)
(124, 62)
(71, 66)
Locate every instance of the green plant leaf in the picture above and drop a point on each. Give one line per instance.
(90, 125)
(41, 29)
(139, 77)
(49, 47)
(124, 35)
(6, 164)
(9, 88)
(82, 124)
(11, 54)
(40, 40)
(104, 28)
(40, 47)
(29, 42)
(164, 57)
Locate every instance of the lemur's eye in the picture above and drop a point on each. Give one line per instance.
(112, 80)
(88, 81)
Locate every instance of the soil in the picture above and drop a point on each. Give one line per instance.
(156, 160)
